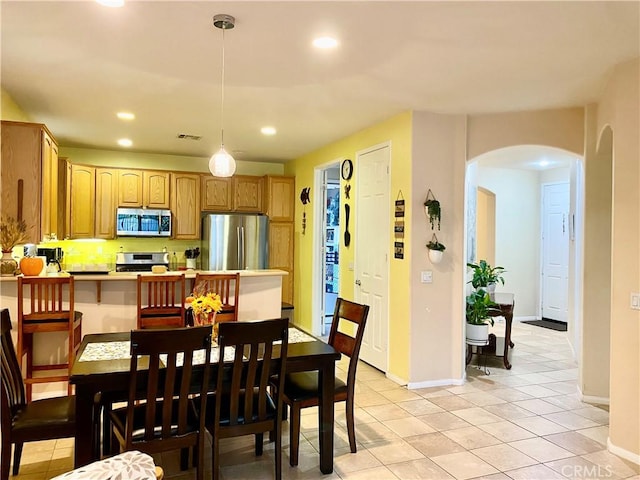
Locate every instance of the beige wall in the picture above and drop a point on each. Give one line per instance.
(437, 314)
(562, 128)
(620, 108)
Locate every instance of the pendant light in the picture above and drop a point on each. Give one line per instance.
(221, 163)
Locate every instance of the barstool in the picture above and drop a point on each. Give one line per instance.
(161, 301)
(43, 308)
(227, 285)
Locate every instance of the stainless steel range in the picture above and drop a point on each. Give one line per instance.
(140, 261)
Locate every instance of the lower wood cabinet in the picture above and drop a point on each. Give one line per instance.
(281, 242)
(185, 206)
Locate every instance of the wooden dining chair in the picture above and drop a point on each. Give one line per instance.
(161, 301)
(46, 304)
(242, 404)
(161, 413)
(227, 285)
(23, 421)
(301, 389)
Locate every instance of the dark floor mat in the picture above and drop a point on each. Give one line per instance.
(551, 324)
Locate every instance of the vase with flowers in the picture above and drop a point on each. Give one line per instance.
(12, 233)
(204, 307)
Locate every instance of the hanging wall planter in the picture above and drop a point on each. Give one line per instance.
(432, 209)
(436, 250)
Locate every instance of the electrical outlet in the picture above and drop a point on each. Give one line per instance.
(635, 301)
(426, 277)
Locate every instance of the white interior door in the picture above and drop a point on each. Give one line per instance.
(555, 251)
(372, 252)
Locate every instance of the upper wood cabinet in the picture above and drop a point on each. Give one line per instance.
(185, 205)
(280, 198)
(247, 193)
(240, 193)
(29, 178)
(143, 188)
(92, 195)
(216, 193)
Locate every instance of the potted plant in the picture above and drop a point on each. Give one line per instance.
(12, 232)
(432, 208)
(479, 311)
(485, 276)
(435, 250)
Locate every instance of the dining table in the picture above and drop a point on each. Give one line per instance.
(102, 366)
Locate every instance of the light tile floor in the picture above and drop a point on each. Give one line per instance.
(523, 424)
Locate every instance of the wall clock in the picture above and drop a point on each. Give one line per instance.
(347, 169)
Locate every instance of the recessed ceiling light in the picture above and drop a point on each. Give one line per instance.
(325, 42)
(125, 142)
(125, 115)
(268, 130)
(111, 3)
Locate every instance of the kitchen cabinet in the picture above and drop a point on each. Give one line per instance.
(29, 178)
(240, 193)
(81, 188)
(185, 205)
(247, 193)
(279, 198)
(281, 243)
(92, 194)
(143, 188)
(216, 194)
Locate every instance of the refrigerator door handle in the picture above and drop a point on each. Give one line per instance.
(241, 253)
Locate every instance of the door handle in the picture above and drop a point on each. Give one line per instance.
(358, 283)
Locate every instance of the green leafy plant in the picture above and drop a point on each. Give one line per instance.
(480, 307)
(433, 211)
(436, 245)
(484, 274)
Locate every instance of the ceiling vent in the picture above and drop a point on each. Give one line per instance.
(186, 136)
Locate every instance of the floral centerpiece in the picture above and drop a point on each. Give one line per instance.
(204, 306)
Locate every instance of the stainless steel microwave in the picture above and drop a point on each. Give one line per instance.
(143, 222)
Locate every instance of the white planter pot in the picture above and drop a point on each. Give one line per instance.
(477, 333)
(435, 256)
(491, 288)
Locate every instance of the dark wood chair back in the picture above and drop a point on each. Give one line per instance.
(227, 285)
(348, 315)
(242, 404)
(49, 307)
(161, 301)
(178, 363)
(22, 422)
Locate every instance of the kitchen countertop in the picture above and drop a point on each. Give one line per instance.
(114, 276)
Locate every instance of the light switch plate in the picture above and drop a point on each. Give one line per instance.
(426, 276)
(635, 301)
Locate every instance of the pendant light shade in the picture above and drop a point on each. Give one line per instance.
(221, 163)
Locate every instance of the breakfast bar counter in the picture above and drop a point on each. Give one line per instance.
(109, 303)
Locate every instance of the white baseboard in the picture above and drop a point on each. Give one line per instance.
(621, 452)
(435, 383)
(398, 380)
(525, 318)
(592, 398)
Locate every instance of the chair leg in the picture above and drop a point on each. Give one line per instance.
(28, 347)
(259, 443)
(294, 434)
(198, 458)
(6, 456)
(17, 455)
(215, 458)
(278, 435)
(351, 426)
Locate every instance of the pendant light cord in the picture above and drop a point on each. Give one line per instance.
(222, 96)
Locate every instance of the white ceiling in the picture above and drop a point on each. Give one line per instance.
(73, 65)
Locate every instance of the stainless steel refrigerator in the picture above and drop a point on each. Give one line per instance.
(235, 242)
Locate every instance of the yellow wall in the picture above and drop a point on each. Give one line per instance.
(9, 110)
(397, 131)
